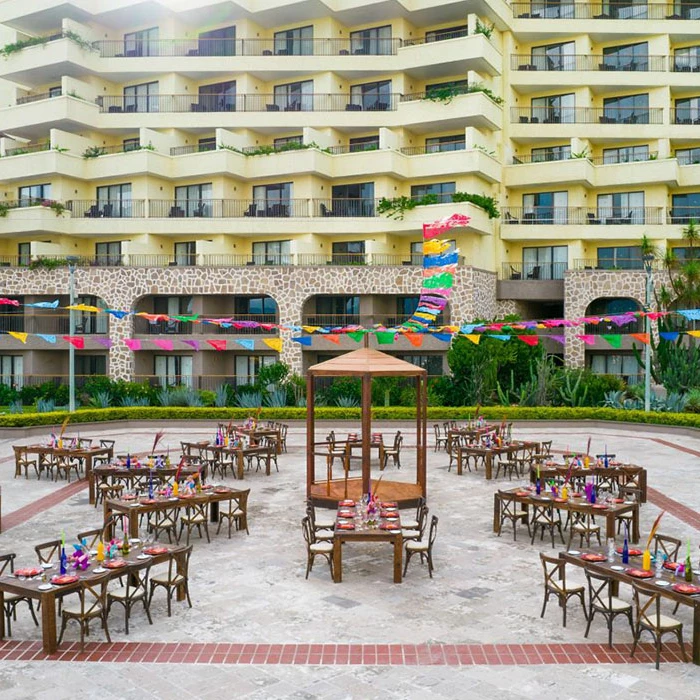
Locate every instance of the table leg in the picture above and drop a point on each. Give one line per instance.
(488, 466)
(696, 635)
(337, 561)
(459, 461)
(48, 623)
(635, 524)
(398, 558)
(214, 511)
(106, 515)
(2, 615)
(239, 463)
(610, 526)
(268, 459)
(91, 478)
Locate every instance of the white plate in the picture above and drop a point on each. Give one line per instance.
(99, 570)
(629, 503)
(661, 582)
(135, 540)
(47, 566)
(45, 587)
(391, 517)
(174, 498)
(143, 556)
(93, 552)
(617, 568)
(134, 505)
(573, 551)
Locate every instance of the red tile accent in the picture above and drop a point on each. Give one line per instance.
(21, 515)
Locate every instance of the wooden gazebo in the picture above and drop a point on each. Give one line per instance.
(365, 364)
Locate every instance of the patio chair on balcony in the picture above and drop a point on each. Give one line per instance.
(93, 212)
(250, 211)
(293, 107)
(107, 211)
(176, 212)
(534, 274)
(272, 108)
(114, 109)
(515, 274)
(325, 211)
(510, 219)
(353, 108)
(592, 220)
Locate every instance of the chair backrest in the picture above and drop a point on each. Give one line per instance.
(436, 428)
(48, 551)
(398, 439)
(599, 589)
(5, 561)
(432, 533)
(670, 546)
(543, 511)
(93, 595)
(107, 443)
(554, 572)
(90, 536)
(179, 563)
(307, 529)
(546, 447)
(647, 605)
(422, 519)
(508, 503)
(238, 503)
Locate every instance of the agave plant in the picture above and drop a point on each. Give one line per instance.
(45, 405)
(101, 399)
(133, 401)
(221, 397)
(165, 397)
(16, 406)
(276, 397)
(250, 399)
(347, 402)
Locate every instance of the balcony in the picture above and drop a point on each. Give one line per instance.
(587, 62)
(586, 115)
(685, 116)
(539, 271)
(683, 215)
(226, 325)
(567, 216)
(107, 208)
(227, 208)
(525, 281)
(251, 102)
(53, 324)
(613, 265)
(606, 11)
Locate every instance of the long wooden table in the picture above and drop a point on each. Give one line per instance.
(488, 454)
(30, 589)
(625, 475)
(666, 591)
(237, 455)
(138, 477)
(255, 434)
(87, 454)
(576, 505)
(135, 508)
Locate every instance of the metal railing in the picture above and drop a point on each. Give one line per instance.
(607, 216)
(444, 147)
(248, 102)
(617, 264)
(194, 148)
(29, 148)
(53, 324)
(339, 207)
(435, 37)
(107, 208)
(38, 97)
(619, 159)
(533, 270)
(685, 64)
(587, 62)
(586, 115)
(194, 47)
(598, 160)
(201, 382)
(142, 326)
(607, 11)
(437, 94)
(541, 158)
(609, 328)
(685, 115)
(228, 208)
(97, 151)
(332, 320)
(683, 215)
(354, 148)
(688, 159)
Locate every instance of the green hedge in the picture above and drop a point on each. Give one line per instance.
(438, 413)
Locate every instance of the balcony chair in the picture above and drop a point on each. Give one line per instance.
(107, 211)
(592, 220)
(93, 212)
(251, 210)
(114, 109)
(529, 217)
(272, 108)
(176, 212)
(510, 219)
(325, 211)
(293, 107)
(353, 108)
(534, 274)
(515, 274)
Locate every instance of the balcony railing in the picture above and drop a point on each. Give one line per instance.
(37, 97)
(201, 382)
(533, 270)
(332, 320)
(195, 148)
(436, 36)
(611, 10)
(607, 216)
(685, 116)
(683, 215)
(686, 64)
(53, 323)
(621, 159)
(97, 151)
(598, 160)
(587, 62)
(142, 326)
(249, 102)
(344, 207)
(29, 148)
(586, 115)
(616, 264)
(227, 208)
(107, 208)
(444, 147)
(354, 148)
(170, 48)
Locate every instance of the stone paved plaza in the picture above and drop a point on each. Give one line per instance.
(250, 590)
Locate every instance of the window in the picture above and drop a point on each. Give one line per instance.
(272, 252)
(627, 57)
(688, 156)
(108, 254)
(618, 364)
(364, 143)
(431, 363)
(552, 10)
(545, 208)
(207, 144)
(441, 191)
(687, 59)
(273, 200)
(620, 258)
(55, 91)
(621, 208)
(288, 140)
(12, 370)
(688, 111)
(349, 253)
(371, 42)
(217, 42)
(683, 253)
(173, 370)
(142, 43)
(131, 145)
(446, 33)
(545, 262)
(549, 153)
(114, 200)
(633, 109)
(338, 310)
(171, 306)
(458, 87)
(90, 365)
(372, 96)
(32, 195)
(625, 9)
(87, 322)
(295, 42)
(441, 144)
(627, 154)
(353, 200)
(416, 252)
(685, 207)
(141, 98)
(248, 367)
(258, 306)
(194, 200)
(554, 56)
(295, 97)
(24, 254)
(12, 317)
(217, 97)
(185, 253)
(554, 109)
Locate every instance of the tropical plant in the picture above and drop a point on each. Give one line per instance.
(17, 46)
(276, 396)
(132, 401)
(16, 407)
(347, 402)
(94, 152)
(250, 399)
(58, 208)
(484, 29)
(47, 263)
(485, 202)
(4, 208)
(580, 154)
(396, 207)
(572, 392)
(221, 396)
(101, 399)
(45, 405)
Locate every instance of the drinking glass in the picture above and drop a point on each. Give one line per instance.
(658, 564)
(611, 548)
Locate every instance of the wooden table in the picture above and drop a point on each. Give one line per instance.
(665, 591)
(238, 455)
(254, 434)
(488, 454)
(458, 434)
(30, 589)
(340, 537)
(87, 454)
(576, 505)
(624, 474)
(135, 508)
(138, 477)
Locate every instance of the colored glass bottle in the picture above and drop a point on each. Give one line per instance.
(625, 552)
(64, 560)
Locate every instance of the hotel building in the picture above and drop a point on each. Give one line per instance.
(237, 160)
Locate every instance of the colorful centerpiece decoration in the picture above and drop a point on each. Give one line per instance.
(646, 559)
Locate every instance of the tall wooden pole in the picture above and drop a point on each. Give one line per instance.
(310, 457)
(366, 430)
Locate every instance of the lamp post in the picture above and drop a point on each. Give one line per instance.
(72, 260)
(648, 260)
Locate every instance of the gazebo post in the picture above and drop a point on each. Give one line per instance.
(310, 432)
(366, 430)
(421, 432)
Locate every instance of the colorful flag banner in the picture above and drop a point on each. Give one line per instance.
(385, 337)
(76, 341)
(194, 344)
(641, 337)
(333, 338)
(163, 344)
(22, 337)
(106, 342)
(48, 338)
(587, 339)
(132, 343)
(247, 343)
(615, 339)
(218, 345)
(303, 340)
(274, 343)
(530, 339)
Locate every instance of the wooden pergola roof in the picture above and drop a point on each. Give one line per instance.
(366, 361)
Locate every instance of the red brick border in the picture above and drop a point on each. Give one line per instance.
(21, 515)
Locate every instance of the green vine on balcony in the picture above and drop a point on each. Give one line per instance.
(269, 150)
(17, 46)
(94, 152)
(484, 29)
(4, 208)
(449, 92)
(396, 207)
(47, 263)
(57, 207)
